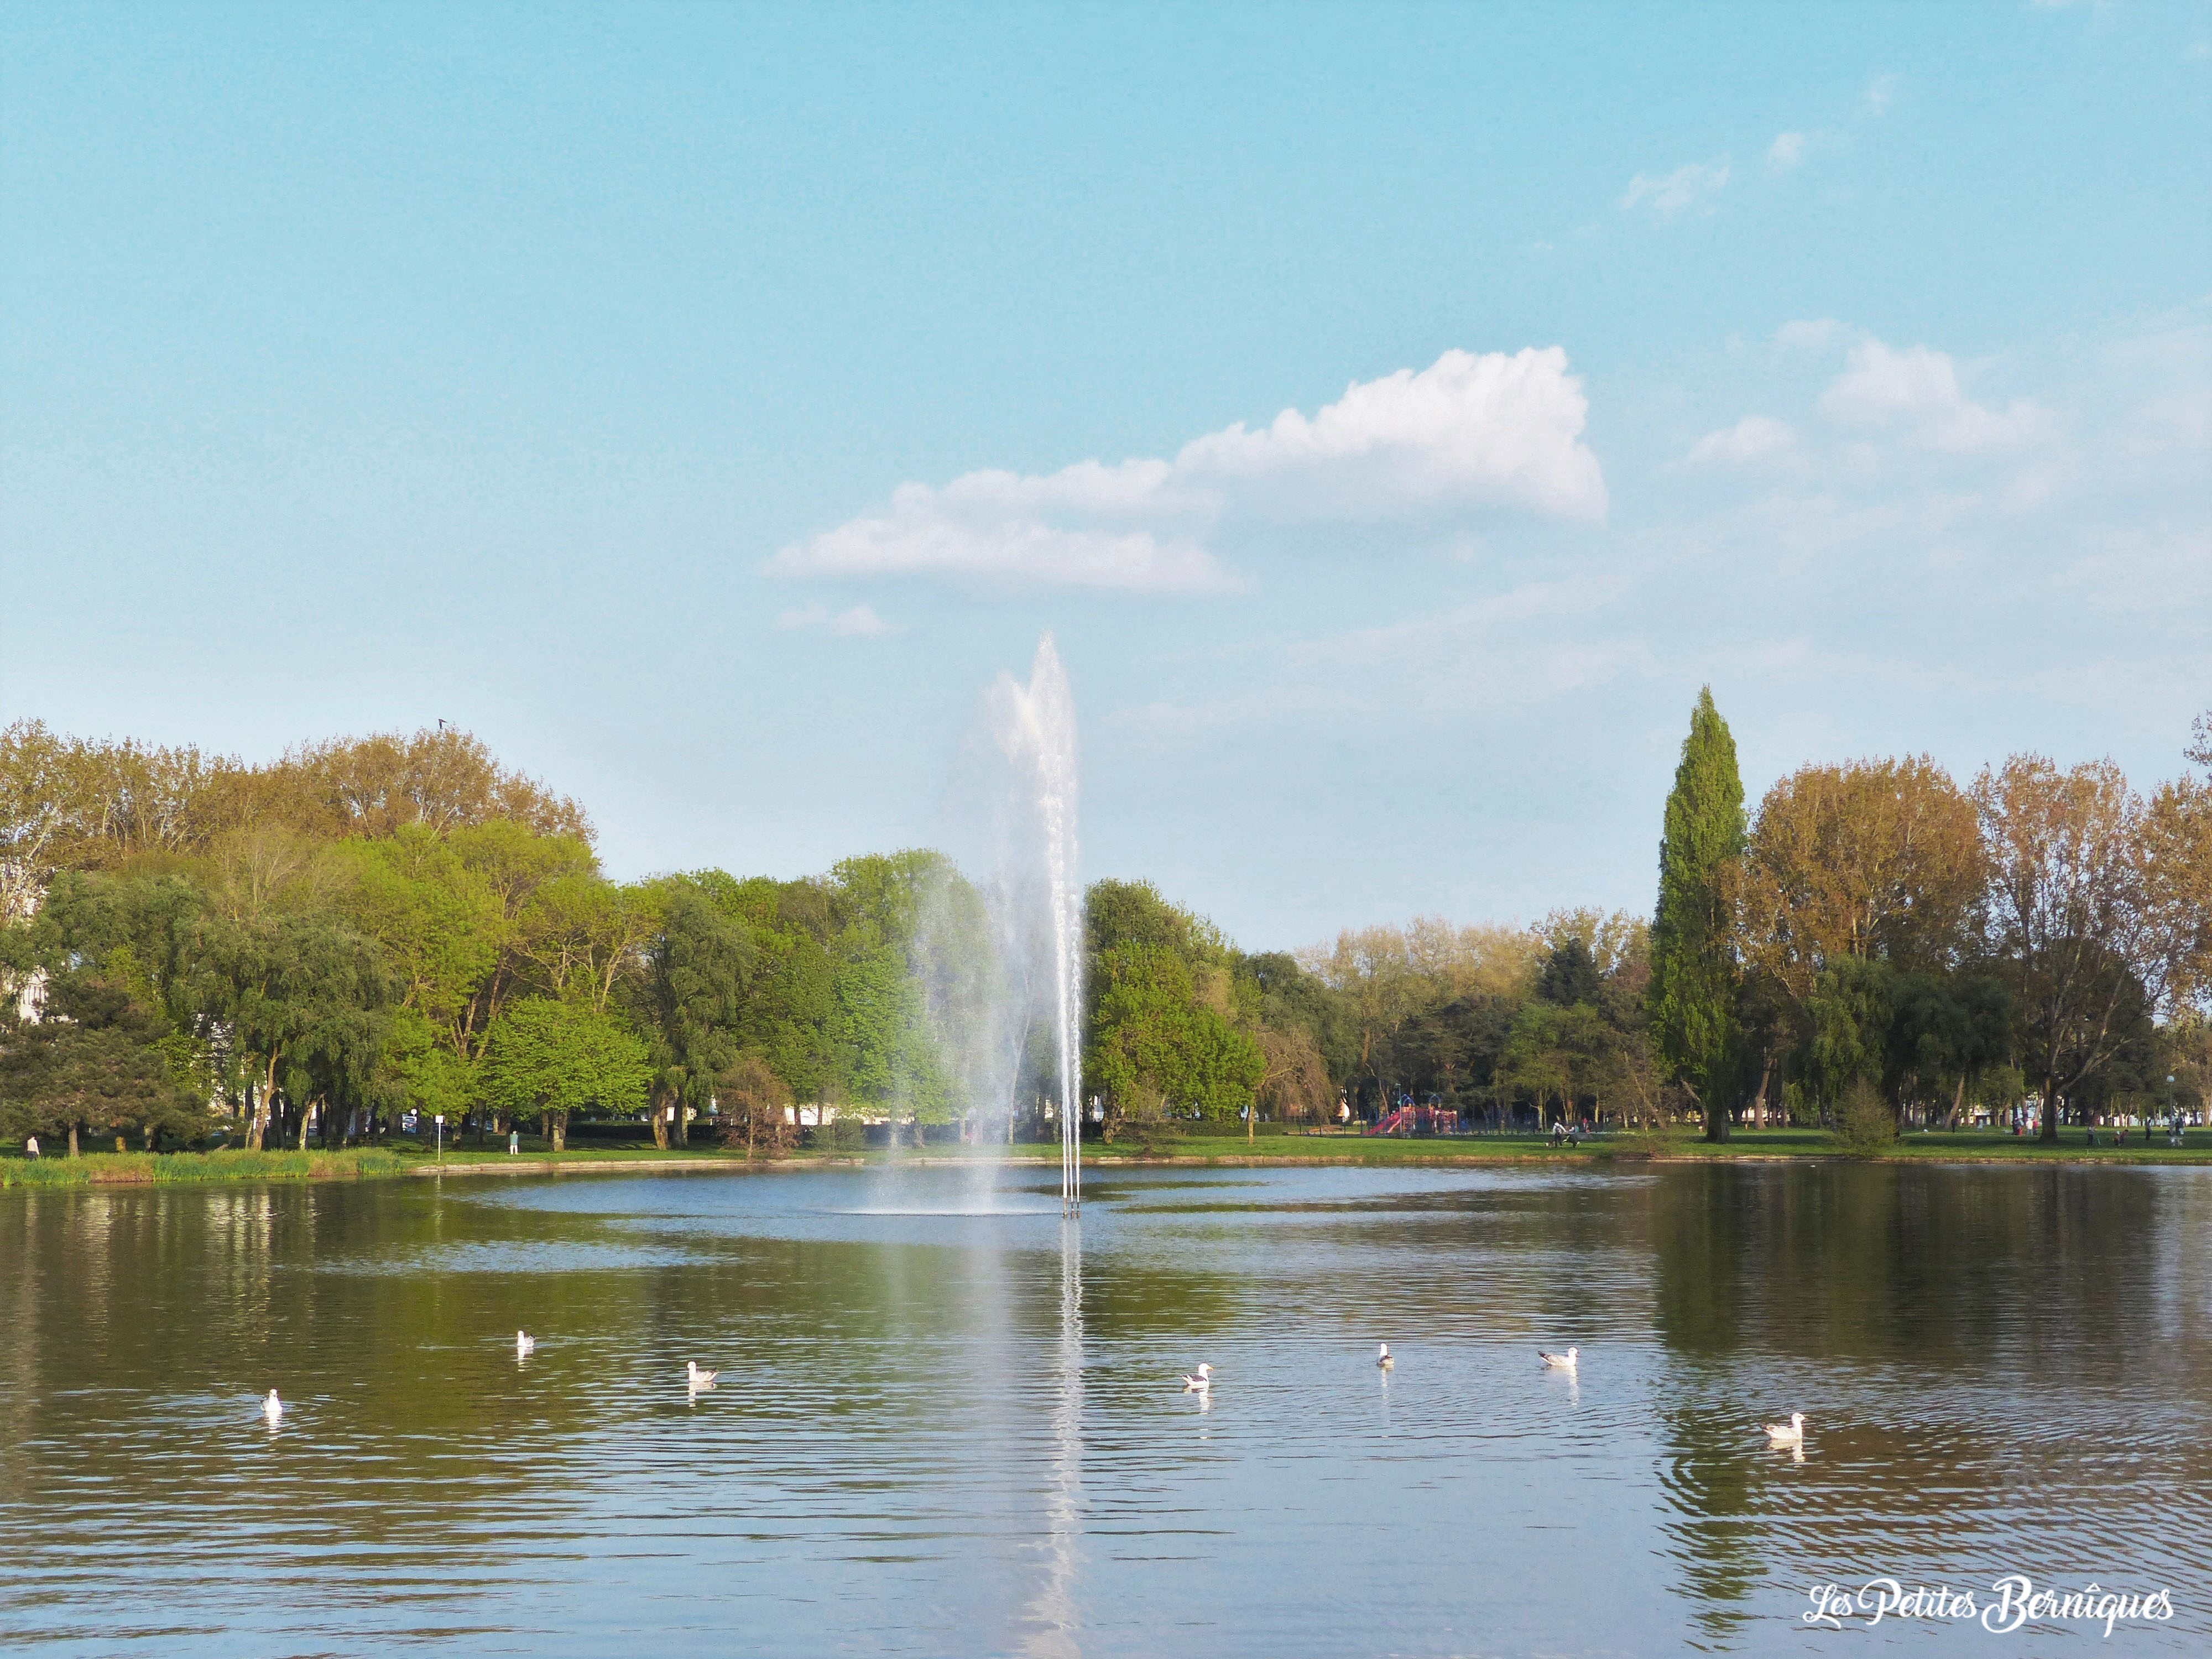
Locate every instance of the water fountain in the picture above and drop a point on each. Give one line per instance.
(1035, 726)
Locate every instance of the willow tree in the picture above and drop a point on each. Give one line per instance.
(1693, 956)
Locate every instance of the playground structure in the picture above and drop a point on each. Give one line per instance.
(1416, 1121)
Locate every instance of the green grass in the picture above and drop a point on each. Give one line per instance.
(149, 1169)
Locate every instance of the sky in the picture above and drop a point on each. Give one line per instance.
(1395, 414)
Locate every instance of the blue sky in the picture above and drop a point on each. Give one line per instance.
(693, 402)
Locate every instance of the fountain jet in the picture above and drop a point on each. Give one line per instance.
(1035, 725)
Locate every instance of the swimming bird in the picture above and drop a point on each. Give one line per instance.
(523, 1342)
(1564, 1362)
(1791, 1433)
(1384, 1359)
(696, 1377)
(272, 1409)
(1201, 1383)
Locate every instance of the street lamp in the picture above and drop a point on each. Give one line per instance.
(441, 1136)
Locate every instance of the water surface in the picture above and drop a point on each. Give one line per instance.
(947, 1433)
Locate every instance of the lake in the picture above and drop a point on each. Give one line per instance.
(947, 1433)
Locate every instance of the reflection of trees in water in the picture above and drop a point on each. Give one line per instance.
(1941, 1312)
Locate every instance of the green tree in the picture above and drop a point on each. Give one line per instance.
(94, 1062)
(1150, 1033)
(1692, 964)
(690, 999)
(550, 1059)
(306, 1001)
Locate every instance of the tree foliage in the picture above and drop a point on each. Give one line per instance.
(1693, 959)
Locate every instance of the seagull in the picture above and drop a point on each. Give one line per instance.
(523, 1342)
(1791, 1433)
(1562, 1362)
(272, 1409)
(697, 1378)
(1201, 1383)
(1384, 1359)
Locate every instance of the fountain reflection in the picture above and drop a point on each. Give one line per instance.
(1051, 1614)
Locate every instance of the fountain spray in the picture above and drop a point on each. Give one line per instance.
(1035, 729)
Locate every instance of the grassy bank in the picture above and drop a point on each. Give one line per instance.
(1606, 1152)
(149, 1169)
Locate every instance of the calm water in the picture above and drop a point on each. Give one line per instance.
(938, 1433)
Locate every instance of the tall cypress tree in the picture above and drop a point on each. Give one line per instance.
(1693, 994)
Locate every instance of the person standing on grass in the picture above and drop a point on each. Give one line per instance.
(514, 1143)
(31, 1146)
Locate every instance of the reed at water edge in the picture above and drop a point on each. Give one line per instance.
(146, 1168)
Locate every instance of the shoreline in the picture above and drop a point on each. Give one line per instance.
(109, 1170)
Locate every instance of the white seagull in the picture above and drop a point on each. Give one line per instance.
(1201, 1383)
(523, 1342)
(1562, 1362)
(697, 1378)
(272, 1409)
(1791, 1433)
(1384, 1359)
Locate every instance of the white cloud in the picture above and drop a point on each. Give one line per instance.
(1881, 94)
(861, 621)
(1916, 391)
(1692, 185)
(1787, 151)
(1470, 432)
(1811, 334)
(1750, 439)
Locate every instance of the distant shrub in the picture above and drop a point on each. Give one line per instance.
(845, 1134)
(1865, 1123)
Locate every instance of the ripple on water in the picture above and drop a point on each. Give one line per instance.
(939, 1433)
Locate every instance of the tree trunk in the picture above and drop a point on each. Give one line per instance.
(560, 1131)
(680, 1122)
(2048, 1134)
(72, 1140)
(1717, 1120)
(660, 1126)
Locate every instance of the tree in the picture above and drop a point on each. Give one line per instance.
(690, 999)
(1570, 974)
(2071, 918)
(756, 1104)
(306, 1001)
(1872, 859)
(95, 1061)
(1692, 966)
(1151, 1033)
(1293, 1080)
(2177, 870)
(550, 1059)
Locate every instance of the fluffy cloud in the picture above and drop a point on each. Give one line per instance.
(1468, 432)
(860, 623)
(1748, 440)
(1787, 151)
(1916, 391)
(1693, 184)
(1881, 94)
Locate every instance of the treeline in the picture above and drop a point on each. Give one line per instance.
(366, 928)
(1875, 941)
(369, 927)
